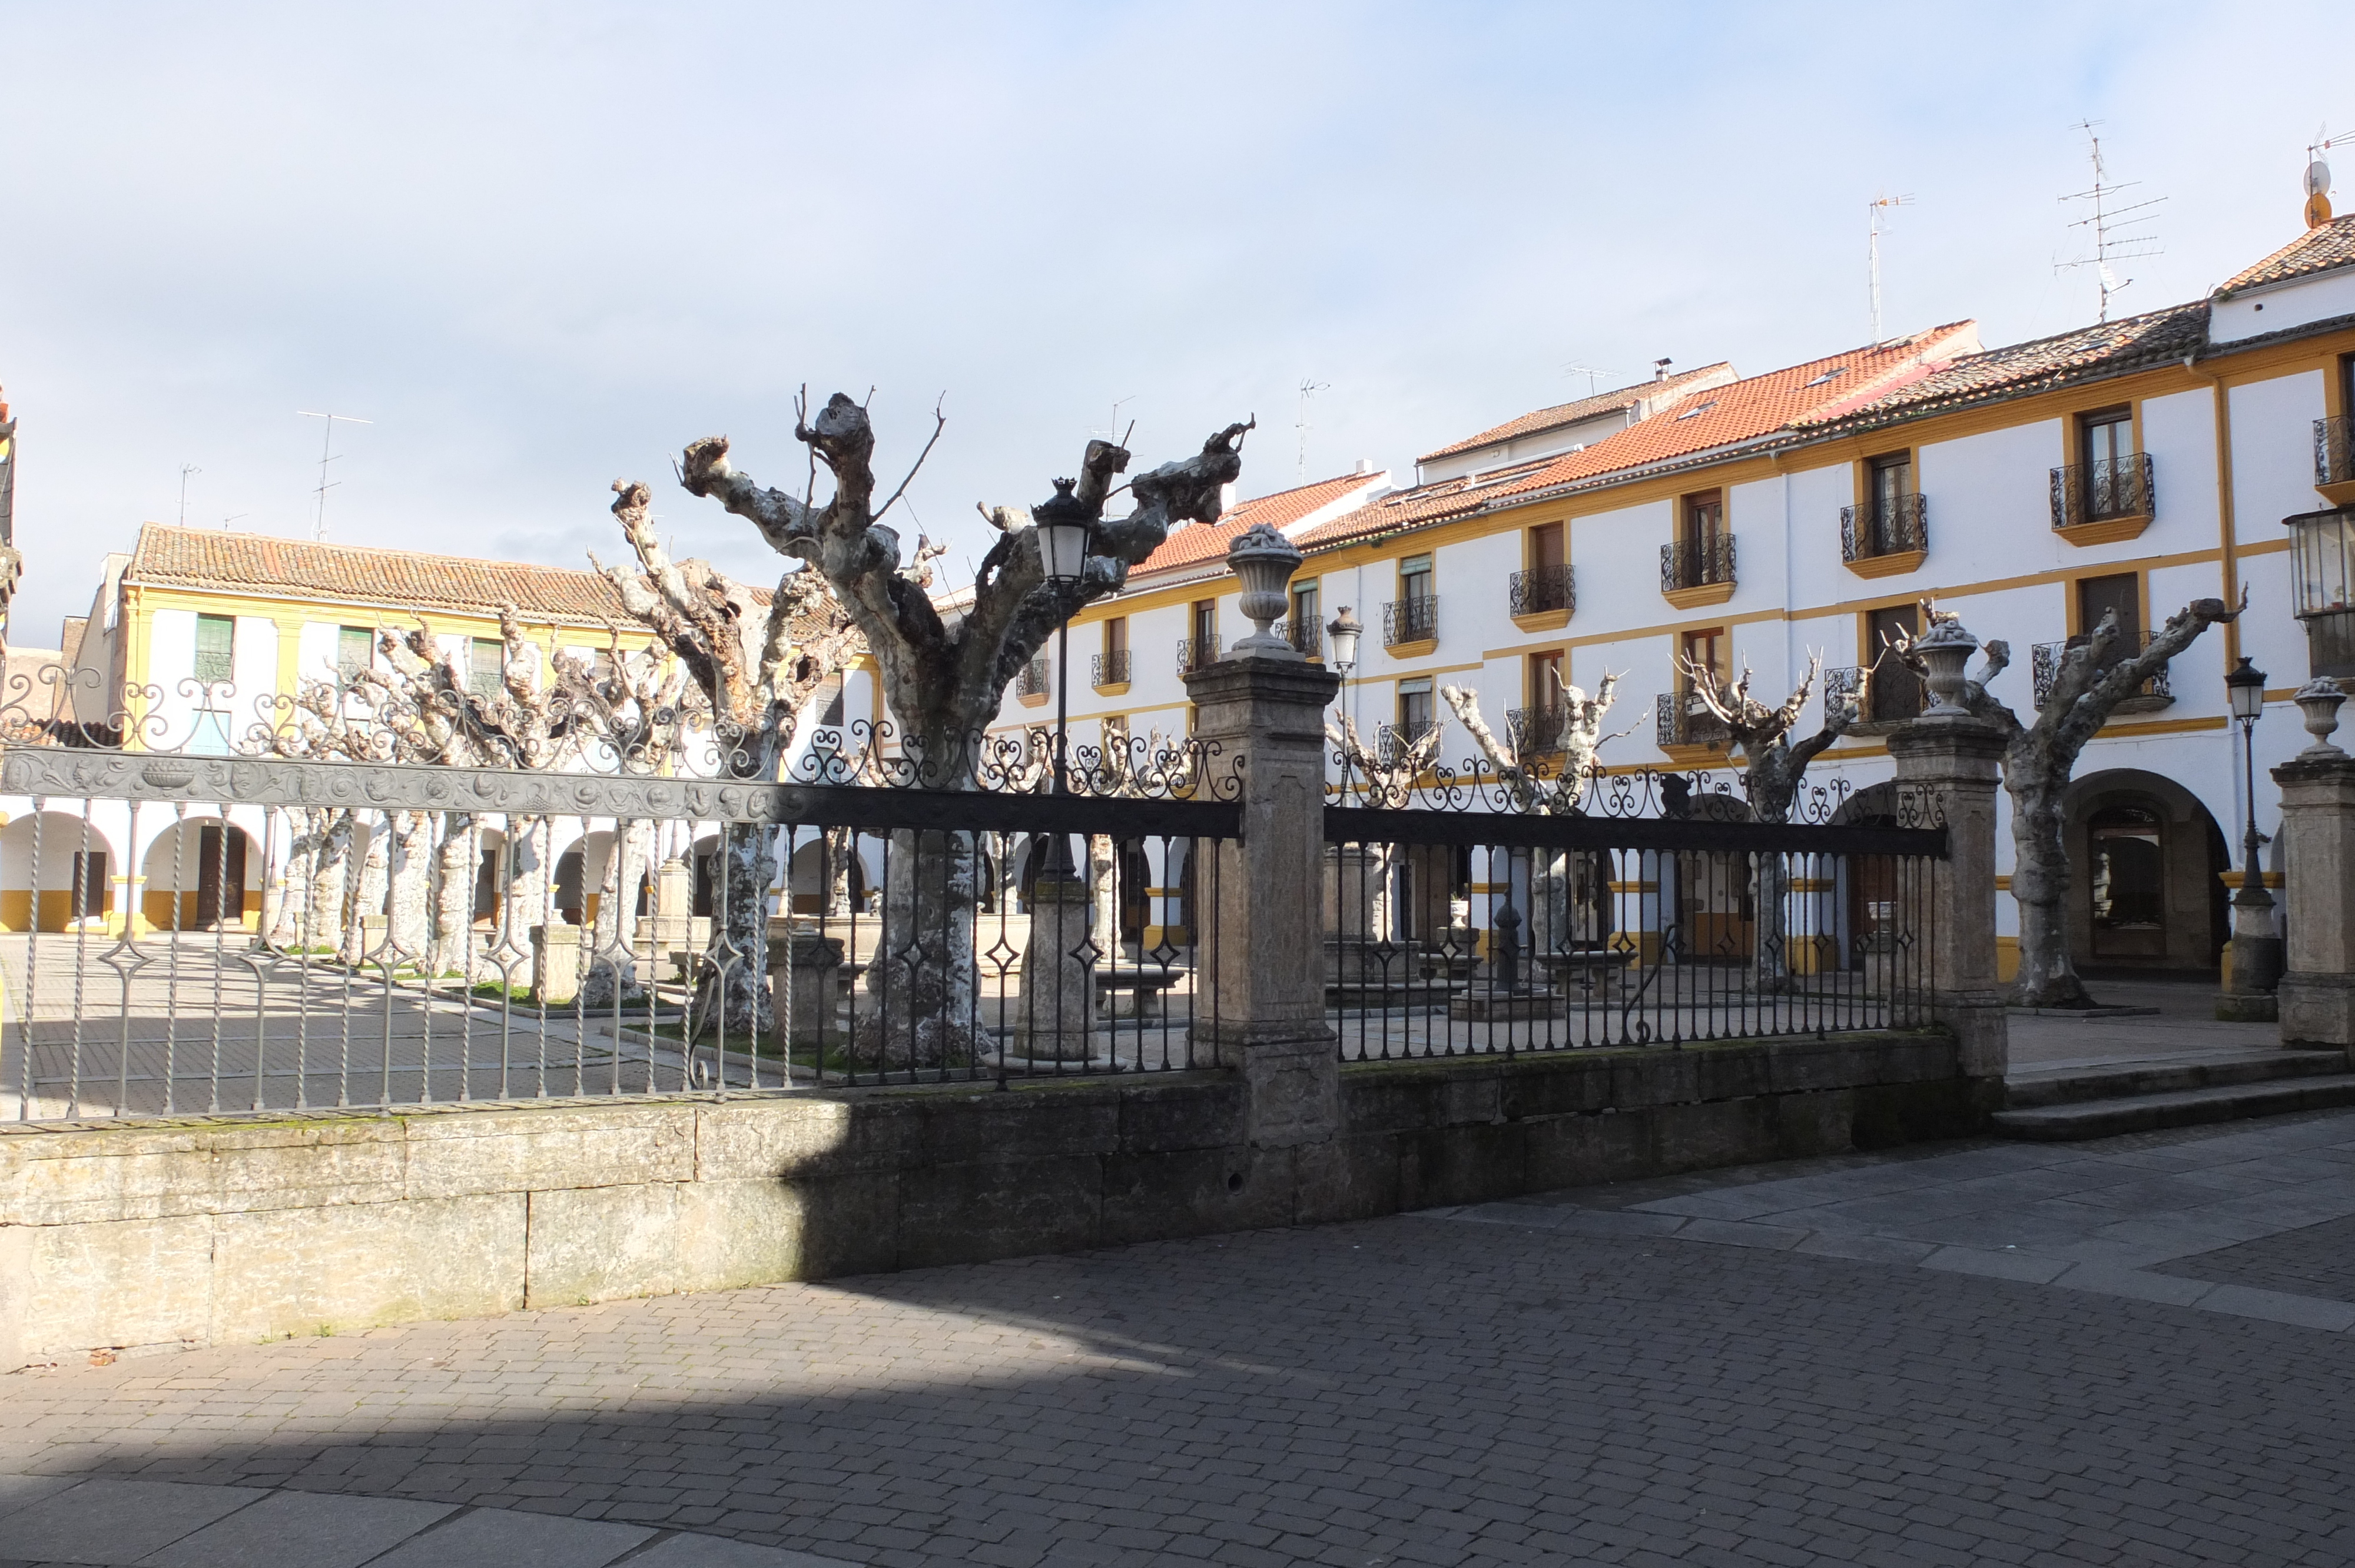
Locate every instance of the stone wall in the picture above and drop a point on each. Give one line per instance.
(198, 1232)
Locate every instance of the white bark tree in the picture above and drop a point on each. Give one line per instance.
(942, 677)
(2039, 758)
(1771, 766)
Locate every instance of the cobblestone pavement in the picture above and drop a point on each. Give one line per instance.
(1429, 1389)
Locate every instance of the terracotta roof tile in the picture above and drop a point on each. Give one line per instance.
(1671, 390)
(2108, 348)
(2316, 251)
(262, 563)
(1198, 542)
(1719, 417)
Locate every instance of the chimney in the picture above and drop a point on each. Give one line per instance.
(1365, 465)
(1660, 369)
(1226, 498)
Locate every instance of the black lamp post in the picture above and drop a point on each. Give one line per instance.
(1067, 528)
(2257, 951)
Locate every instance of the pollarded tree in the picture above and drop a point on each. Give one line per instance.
(2039, 756)
(942, 676)
(756, 667)
(1771, 766)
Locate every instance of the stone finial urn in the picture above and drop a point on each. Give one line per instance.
(2318, 701)
(1945, 648)
(1264, 561)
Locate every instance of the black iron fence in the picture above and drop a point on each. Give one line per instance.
(1706, 561)
(1890, 528)
(2334, 449)
(2107, 488)
(1541, 588)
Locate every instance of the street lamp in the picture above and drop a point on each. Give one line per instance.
(1066, 527)
(1341, 636)
(2257, 951)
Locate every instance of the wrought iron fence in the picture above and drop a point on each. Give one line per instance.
(1307, 638)
(2044, 666)
(1033, 680)
(2334, 449)
(1679, 718)
(1873, 529)
(1111, 669)
(2106, 488)
(1704, 562)
(1412, 620)
(1541, 588)
(1533, 732)
(1196, 653)
(1892, 694)
(1643, 910)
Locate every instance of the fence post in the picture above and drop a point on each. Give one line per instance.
(1261, 1004)
(2317, 986)
(1951, 759)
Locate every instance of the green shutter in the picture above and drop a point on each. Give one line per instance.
(216, 643)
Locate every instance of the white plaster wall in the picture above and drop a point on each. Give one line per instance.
(314, 651)
(2272, 454)
(2179, 430)
(1989, 506)
(1816, 575)
(2293, 305)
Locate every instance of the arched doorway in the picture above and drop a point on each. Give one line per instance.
(196, 874)
(2145, 864)
(76, 871)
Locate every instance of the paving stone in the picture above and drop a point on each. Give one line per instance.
(116, 1522)
(713, 1551)
(497, 1538)
(317, 1530)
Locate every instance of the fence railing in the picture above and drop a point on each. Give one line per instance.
(1032, 682)
(1412, 620)
(1678, 718)
(1704, 562)
(1874, 529)
(1196, 653)
(2334, 449)
(1110, 669)
(1307, 638)
(1541, 588)
(2109, 487)
(1534, 732)
(1892, 696)
(2044, 666)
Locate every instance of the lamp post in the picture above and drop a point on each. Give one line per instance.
(1067, 527)
(1341, 635)
(2257, 951)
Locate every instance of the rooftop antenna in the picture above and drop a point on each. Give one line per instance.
(1308, 388)
(1873, 210)
(2318, 176)
(1593, 373)
(326, 456)
(227, 521)
(2112, 241)
(185, 469)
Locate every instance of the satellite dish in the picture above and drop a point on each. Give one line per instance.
(2318, 178)
(2317, 210)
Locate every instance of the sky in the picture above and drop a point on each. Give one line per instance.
(541, 246)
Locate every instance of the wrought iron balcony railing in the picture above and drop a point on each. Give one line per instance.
(1535, 732)
(1412, 620)
(1704, 562)
(1032, 682)
(1111, 669)
(2334, 449)
(1196, 653)
(1892, 696)
(1393, 741)
(1541, 588)
(2044, 666)
(1307, 638)
(1680, 720)
(2094, 492)
(1874, 529)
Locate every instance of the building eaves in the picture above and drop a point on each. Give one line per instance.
(1563, 415)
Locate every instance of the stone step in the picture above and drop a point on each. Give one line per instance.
(2167, 1075)
(2187, 1108)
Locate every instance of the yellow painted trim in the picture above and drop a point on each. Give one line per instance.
(1897, 563)
(1113, 689)
(2234, 879)
(1543, 621)
(1031, 699)
(1418, 650)
(1694, 597)
(1697, 756)
(2108, 531)
(2007, 959)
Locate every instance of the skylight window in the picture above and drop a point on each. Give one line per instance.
(1834, 373)
(1693, 413)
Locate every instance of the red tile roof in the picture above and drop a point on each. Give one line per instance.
(1657, 393)
(354, 574)
(2316, 251)
(1707, 423)
(1198, 542)
(2108, 348)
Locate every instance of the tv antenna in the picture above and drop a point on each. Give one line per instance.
(185, 469)
(1593, 373)
(1309, 387)
(1873, 210)
(326, 456)
(2318, 175)
(227, 521)
(2113, 239)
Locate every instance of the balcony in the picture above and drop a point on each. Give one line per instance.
(1110, 669)
(1698, 571)
(1534, 734)
(1196, 653)
(1393, 741)
(1877, 541)
(1309, 638)
(1031, 685)
(1408, 624)
(2044, 668)
(2105, 501)
(1684, 727)
(2334, 459)
(1543, 598)
(1891, 697)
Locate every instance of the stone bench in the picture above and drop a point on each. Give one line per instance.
(1144, 988)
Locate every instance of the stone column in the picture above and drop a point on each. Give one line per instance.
(2316, 995)
(1950, 761)
(1263, 975)
(1055, 1020)
(556, 964)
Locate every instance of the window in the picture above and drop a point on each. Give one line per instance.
(487, 658)
(1545, 680)
(1545, 547)
(1116, 635)
(2106, 437)
(1895, 691)
(1537, 727)
(1206, 625)
(1112, 665)
(216, 648)
(832, 717)
(355, 650)
(1703, 516)
(1704, 650)
(1415, 578)
(2119, 595)
(1307, 629)
(1413, 710)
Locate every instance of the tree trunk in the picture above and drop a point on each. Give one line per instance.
(1770, 892)
(732, 993)
(289, 910)
(2040, 885)
(408, 919)
(332, 867)
(612, 965)
(1103, 893)
(923, 986)
(454, 910)
(367, 893)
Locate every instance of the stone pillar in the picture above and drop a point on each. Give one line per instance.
(807, 979)
(1262, 983)
(555, 964)
(2316, 995)
(1951, 761)
(1055, 1020)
